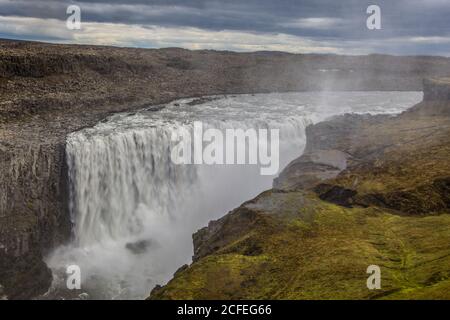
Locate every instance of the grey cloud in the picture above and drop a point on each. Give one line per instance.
(325, 20)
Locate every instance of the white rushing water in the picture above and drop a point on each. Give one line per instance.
(134, 210)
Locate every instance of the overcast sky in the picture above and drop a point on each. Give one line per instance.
(410, 27)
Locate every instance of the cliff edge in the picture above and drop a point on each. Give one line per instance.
(436, 90)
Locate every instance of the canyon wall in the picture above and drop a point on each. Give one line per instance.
(48, 91)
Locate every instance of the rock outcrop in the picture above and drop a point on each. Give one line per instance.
(34, 216)
(436, 90)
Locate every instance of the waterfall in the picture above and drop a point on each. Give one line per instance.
(124, 182)
(134, 210)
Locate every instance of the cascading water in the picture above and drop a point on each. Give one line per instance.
(134, 210)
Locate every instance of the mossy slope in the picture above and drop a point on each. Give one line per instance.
(322, 251)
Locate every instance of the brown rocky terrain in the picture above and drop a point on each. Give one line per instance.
(48, 91)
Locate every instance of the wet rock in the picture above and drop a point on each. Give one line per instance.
(24, 276)
(202, 100)
(139, 247)
(83, 296)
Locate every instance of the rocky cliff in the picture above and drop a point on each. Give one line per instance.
(368, 190)
(436, 90)
(48, 91)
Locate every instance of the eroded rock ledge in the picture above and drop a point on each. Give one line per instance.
(368, 190)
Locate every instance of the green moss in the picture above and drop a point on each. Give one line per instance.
(325, 258)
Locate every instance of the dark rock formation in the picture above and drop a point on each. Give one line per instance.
(34, 215)
(436, 90)
(436, 99)
(139, 247)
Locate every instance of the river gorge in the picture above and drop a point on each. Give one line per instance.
(134, 210)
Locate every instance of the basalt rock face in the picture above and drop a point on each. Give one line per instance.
(48, 91)
(33, 215)
(369, 190)
(436, 98)
(436, 90)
